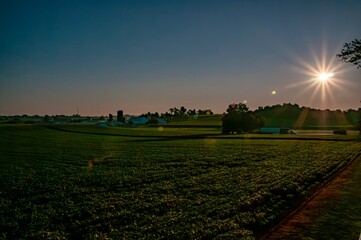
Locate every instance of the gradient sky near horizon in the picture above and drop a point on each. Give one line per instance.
(151, 55)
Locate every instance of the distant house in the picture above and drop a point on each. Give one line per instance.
(135, 121)
(102, 124)
(111, 124)
(115, 124)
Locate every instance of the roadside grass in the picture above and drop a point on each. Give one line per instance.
(89, 182)
(340, 216)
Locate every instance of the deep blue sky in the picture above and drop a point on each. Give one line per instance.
(143, 56)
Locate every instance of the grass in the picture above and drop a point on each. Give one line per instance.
(339, 217)
(142, 183)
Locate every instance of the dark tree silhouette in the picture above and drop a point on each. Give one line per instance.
(171, 110)
(239, 119)
(191, 112)
(46, 118)
(240, 107)
(351, 52)
(183, 110)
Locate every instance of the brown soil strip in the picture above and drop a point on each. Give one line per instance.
(291, 227)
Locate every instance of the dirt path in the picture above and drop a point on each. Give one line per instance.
(293, 226)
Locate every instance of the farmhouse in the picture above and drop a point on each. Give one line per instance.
(135, 121)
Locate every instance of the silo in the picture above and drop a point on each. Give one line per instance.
(120, 117)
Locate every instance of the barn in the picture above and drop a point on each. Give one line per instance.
(135, 121)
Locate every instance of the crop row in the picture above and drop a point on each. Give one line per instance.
(70, 185)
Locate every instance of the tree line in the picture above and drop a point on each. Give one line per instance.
(177, 113)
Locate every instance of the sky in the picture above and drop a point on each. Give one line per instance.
(148, 56)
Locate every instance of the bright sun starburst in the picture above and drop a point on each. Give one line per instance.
(323, 77)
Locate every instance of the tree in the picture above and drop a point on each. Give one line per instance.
(46, 118)
(351, 52)
(183, 110)
(239, 119)
(191, 112)
(240, 107)
(176, 111)
(171, 110)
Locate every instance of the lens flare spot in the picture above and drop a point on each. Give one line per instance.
(274, 92)
(90, 164)
(160, 129)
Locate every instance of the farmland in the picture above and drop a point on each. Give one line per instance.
(89, 182)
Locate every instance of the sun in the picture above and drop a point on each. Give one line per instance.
(325, 77)
(320, 78)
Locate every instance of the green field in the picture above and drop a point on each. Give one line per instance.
(89, 182)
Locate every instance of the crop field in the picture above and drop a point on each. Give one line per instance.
(87, 182)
